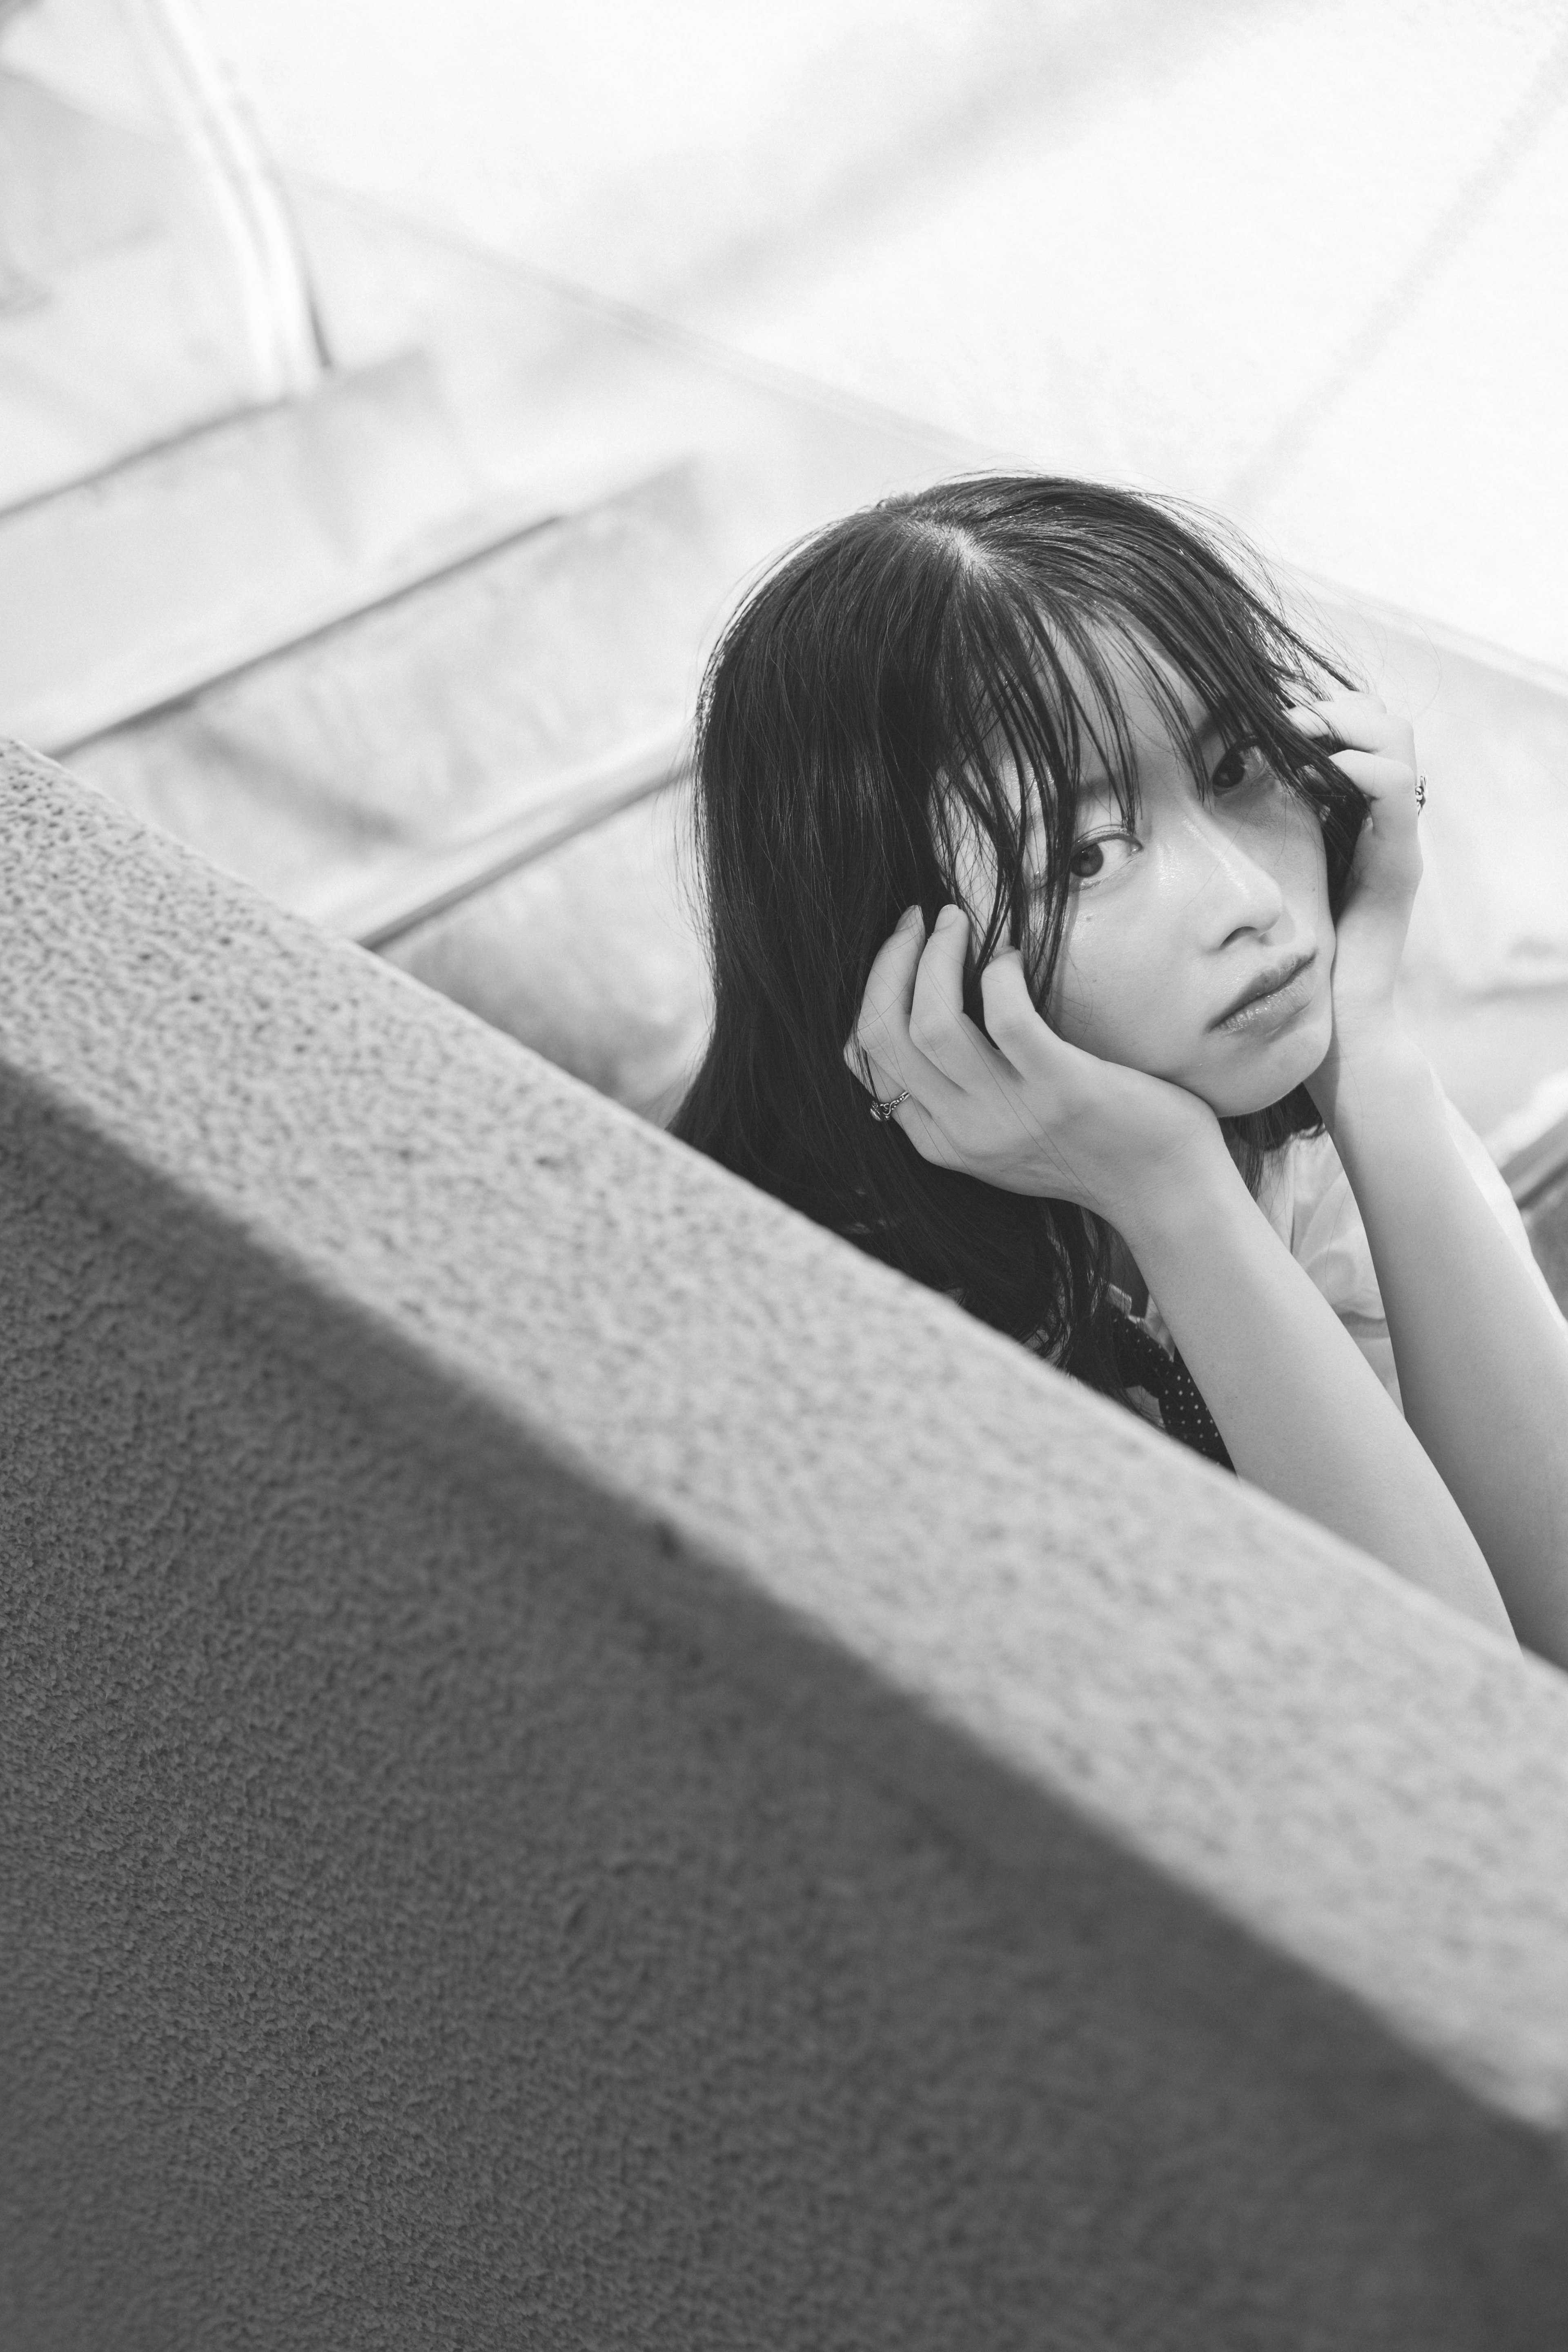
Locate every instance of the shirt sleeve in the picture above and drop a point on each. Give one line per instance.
(1328, 1237)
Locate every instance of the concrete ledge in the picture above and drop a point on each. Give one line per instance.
(585, 1765)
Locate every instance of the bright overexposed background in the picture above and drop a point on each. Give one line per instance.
(682, 279)
(1301, 259)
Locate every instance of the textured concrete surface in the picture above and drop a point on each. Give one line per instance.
(586, 1767)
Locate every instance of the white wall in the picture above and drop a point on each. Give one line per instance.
(1302, 260)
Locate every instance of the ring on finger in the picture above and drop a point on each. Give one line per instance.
(1420, 791)
(884, 1110)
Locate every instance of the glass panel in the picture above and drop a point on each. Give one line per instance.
(149, 277)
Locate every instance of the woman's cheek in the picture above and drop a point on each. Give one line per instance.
(1303, 866)
(1069, 1006)
(1106, 998)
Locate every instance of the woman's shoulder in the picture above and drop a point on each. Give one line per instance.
(1309, 1200)
(1306, 1196)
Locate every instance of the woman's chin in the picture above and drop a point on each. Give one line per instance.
(1275, 1070)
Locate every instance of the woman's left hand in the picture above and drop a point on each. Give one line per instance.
(1379, 757)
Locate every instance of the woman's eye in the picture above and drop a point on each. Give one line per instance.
(1243, 765)
(1090, 861)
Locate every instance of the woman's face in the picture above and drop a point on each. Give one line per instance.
(1168, 925)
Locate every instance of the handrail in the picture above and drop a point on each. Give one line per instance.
(419, 888)
(285, 328)
(471, 537)
(17, 290)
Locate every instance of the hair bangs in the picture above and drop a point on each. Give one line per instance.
(1215, 617)
(1035, 700)
(913, 706)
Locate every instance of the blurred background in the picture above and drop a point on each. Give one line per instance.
(393, 397)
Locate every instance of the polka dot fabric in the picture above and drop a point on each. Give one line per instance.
(1143, 1364)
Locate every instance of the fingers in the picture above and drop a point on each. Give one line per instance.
(879, 1054)
(882, 1039)
(898, 1050)
(911, 1016)
(914, 1037)
(881, 1027)
(1378, 753)
(1031, 1047)
(924, 1134)
(939, 1027)
(1011, 1014)
(1382, 779)
(883, 1085)
(1362, 721)
(1356, 710)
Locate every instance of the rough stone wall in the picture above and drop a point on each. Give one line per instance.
(585, 1767)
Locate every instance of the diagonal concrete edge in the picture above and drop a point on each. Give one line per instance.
(396, 1139)
(965, 1578)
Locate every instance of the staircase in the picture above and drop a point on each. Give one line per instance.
(187, 563)
(320, 638)
(415, 653)
(124, 329)
(402, 772)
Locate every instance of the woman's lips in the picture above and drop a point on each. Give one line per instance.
(1278, 1002)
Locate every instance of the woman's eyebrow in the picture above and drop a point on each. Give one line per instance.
(1211, 729)
(1215, 727)
(1210, 725)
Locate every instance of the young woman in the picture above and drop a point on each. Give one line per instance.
(1125, 1076)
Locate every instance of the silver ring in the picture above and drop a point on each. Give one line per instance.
(1420, 791)
(884, 1110)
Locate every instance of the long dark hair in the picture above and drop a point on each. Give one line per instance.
(863, 702)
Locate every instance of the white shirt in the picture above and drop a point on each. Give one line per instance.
(1306, 1198)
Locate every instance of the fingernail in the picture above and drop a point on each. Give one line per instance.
(911, 915)
(946, 919)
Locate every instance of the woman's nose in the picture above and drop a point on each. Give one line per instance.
(1237, 872)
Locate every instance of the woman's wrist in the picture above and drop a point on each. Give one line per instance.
(1302, 1415)
(1370, 1081)
(1179, 1201)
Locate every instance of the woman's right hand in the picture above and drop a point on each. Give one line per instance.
(1301, 1412)
(1028, 1113)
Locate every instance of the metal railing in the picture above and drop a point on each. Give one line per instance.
(289, 349)
(422, 885)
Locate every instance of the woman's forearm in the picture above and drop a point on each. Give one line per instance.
(1483, 1360)
(1301, 1412)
